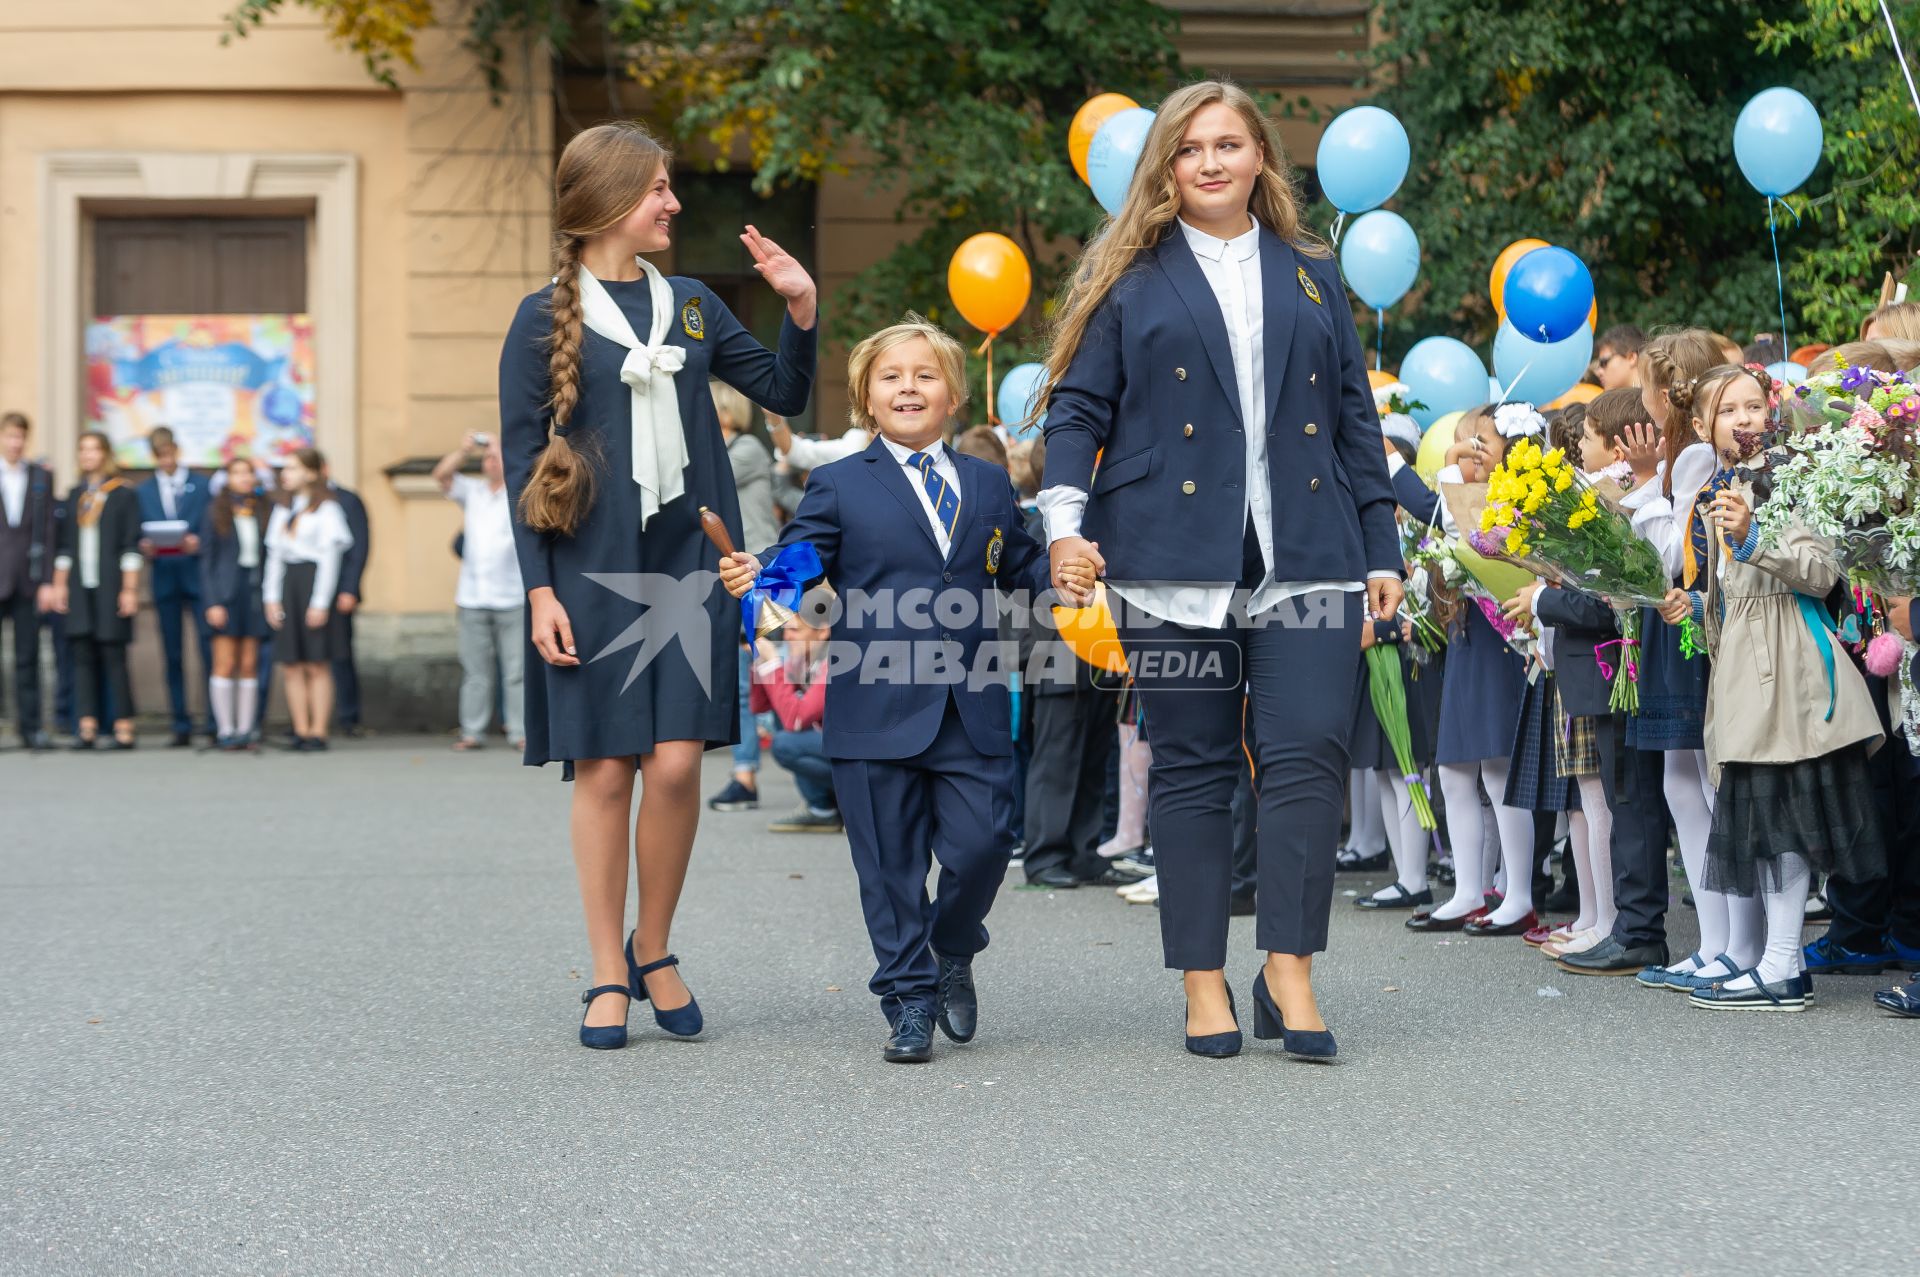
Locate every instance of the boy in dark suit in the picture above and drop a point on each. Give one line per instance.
(920, 761)
(176, 494)
(26, 570)
(353, 567)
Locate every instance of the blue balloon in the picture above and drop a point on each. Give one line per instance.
(1019, 389)
(1445, 375)
(1787, 373)
(1539, 372)
(1380, 256)
(1362, 159)
(1493, 389)
(1777, 140)
(1114, 151)
(1549, 294)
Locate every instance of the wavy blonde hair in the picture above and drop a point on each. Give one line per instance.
(1153, 202)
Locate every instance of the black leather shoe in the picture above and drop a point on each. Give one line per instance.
(1110, 877)
(38, 742)
(1397, 897)
(181, 740)
(956, 1005)
(912, 1038)
(1610, 957)
(1901, 1000)
(1347, 860)
(1055, 876)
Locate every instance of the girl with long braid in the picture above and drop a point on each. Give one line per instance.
(612, 447)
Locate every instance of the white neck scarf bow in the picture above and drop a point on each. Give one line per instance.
(659, 442)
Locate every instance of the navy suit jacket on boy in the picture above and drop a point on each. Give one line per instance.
(875, 545)
(176, 576)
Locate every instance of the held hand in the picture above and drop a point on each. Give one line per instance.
(316, 618)
(43, 599)
(1384, 595)
(127, 603)
(146, 546)
(57, 600)
(552, 631)
(1733, 514)
(1406, 631)
(737, 572)
(1069, 557)
(786, 275)
(1640, 449)
(780, 432)
(1900, 613)
(345, 603)
(1676, 608)
(217, 617)
(1518, 608)
(190, 544)
(276, 615)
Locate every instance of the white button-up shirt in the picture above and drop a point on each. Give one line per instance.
(13, 492)
(489, 568)
(170, 486)
(1232, 271)
(942, 466)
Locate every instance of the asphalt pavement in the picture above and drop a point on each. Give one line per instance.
(316, 1014)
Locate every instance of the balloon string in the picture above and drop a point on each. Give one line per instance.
(1900, 55)
(1379, 338)
(1779, 279)
(1507, 391)
(986, 348)
(1339, 220)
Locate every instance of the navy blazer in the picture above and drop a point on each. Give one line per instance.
(176, 576)
(1583, 622)
(220, 570)
(864, 518)
(38, 515)
(1152, 385)
(353, 564)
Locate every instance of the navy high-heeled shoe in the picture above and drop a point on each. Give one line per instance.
(1302, 1044)
(682, 1022)
(603, 1037)
(1218, 1046)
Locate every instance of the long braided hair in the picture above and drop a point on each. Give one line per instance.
(1669, 364)
(601, 177)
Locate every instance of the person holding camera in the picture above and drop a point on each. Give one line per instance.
(490, 598)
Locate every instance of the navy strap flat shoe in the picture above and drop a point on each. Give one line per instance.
(604, 1037)
(1302, 1044)
(682, 1022)
(1218, 1046)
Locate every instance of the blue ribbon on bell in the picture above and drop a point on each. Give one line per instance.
(783, 581)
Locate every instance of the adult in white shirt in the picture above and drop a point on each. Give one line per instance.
(306, 540)
(1207, 356)
(489, 598)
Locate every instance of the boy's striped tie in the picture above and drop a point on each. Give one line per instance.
(946, 502)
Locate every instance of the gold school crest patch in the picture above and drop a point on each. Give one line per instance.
(1307, 286)
(693, 323)
(996, 547)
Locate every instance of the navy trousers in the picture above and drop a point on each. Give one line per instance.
(1294, 670)
(1638, 802)
(170, 611)
(951, 800)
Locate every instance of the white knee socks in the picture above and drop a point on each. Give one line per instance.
(1404, 835)
(1598, 865)
(1366, 832)
(1690, 803)
(1516, 845)
(1131, 829)
(1786, 913)
(220, 693)
(246, 703)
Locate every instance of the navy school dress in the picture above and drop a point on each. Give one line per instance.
(1480, 698)
(614, 704)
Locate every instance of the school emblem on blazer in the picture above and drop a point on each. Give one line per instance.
(995, 548)
(1306, 286)
(692, 322)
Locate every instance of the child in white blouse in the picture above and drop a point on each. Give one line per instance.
(306, 539)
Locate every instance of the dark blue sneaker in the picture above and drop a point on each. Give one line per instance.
(1823, 955)
(1905, 955)
(735, 797)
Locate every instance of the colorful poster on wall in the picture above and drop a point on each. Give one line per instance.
(227, 385)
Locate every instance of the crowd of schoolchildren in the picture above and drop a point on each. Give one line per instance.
(1561, 823)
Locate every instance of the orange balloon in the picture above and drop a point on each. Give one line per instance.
(989, 281)
(1584, 392)
(1377, 378)
(1089, 631)
(1087, 121)
(1497, 283)
(1593, 313)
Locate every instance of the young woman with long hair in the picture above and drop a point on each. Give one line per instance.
(307, 538)
(232, 574)
(96, 582)
(1206, 352)
(612, 447)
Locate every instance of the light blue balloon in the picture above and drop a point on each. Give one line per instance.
(1380, 256)
(1536, 371)
(1114, 151)
(1493, 389)
(1787, 373)
(1777, 140)
(1362, 159)
(1445, 375)
(1019, 390)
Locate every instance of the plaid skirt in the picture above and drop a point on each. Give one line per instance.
(1577, 744)
(1534, 782)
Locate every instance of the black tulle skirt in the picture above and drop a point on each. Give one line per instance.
(1822, 809)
